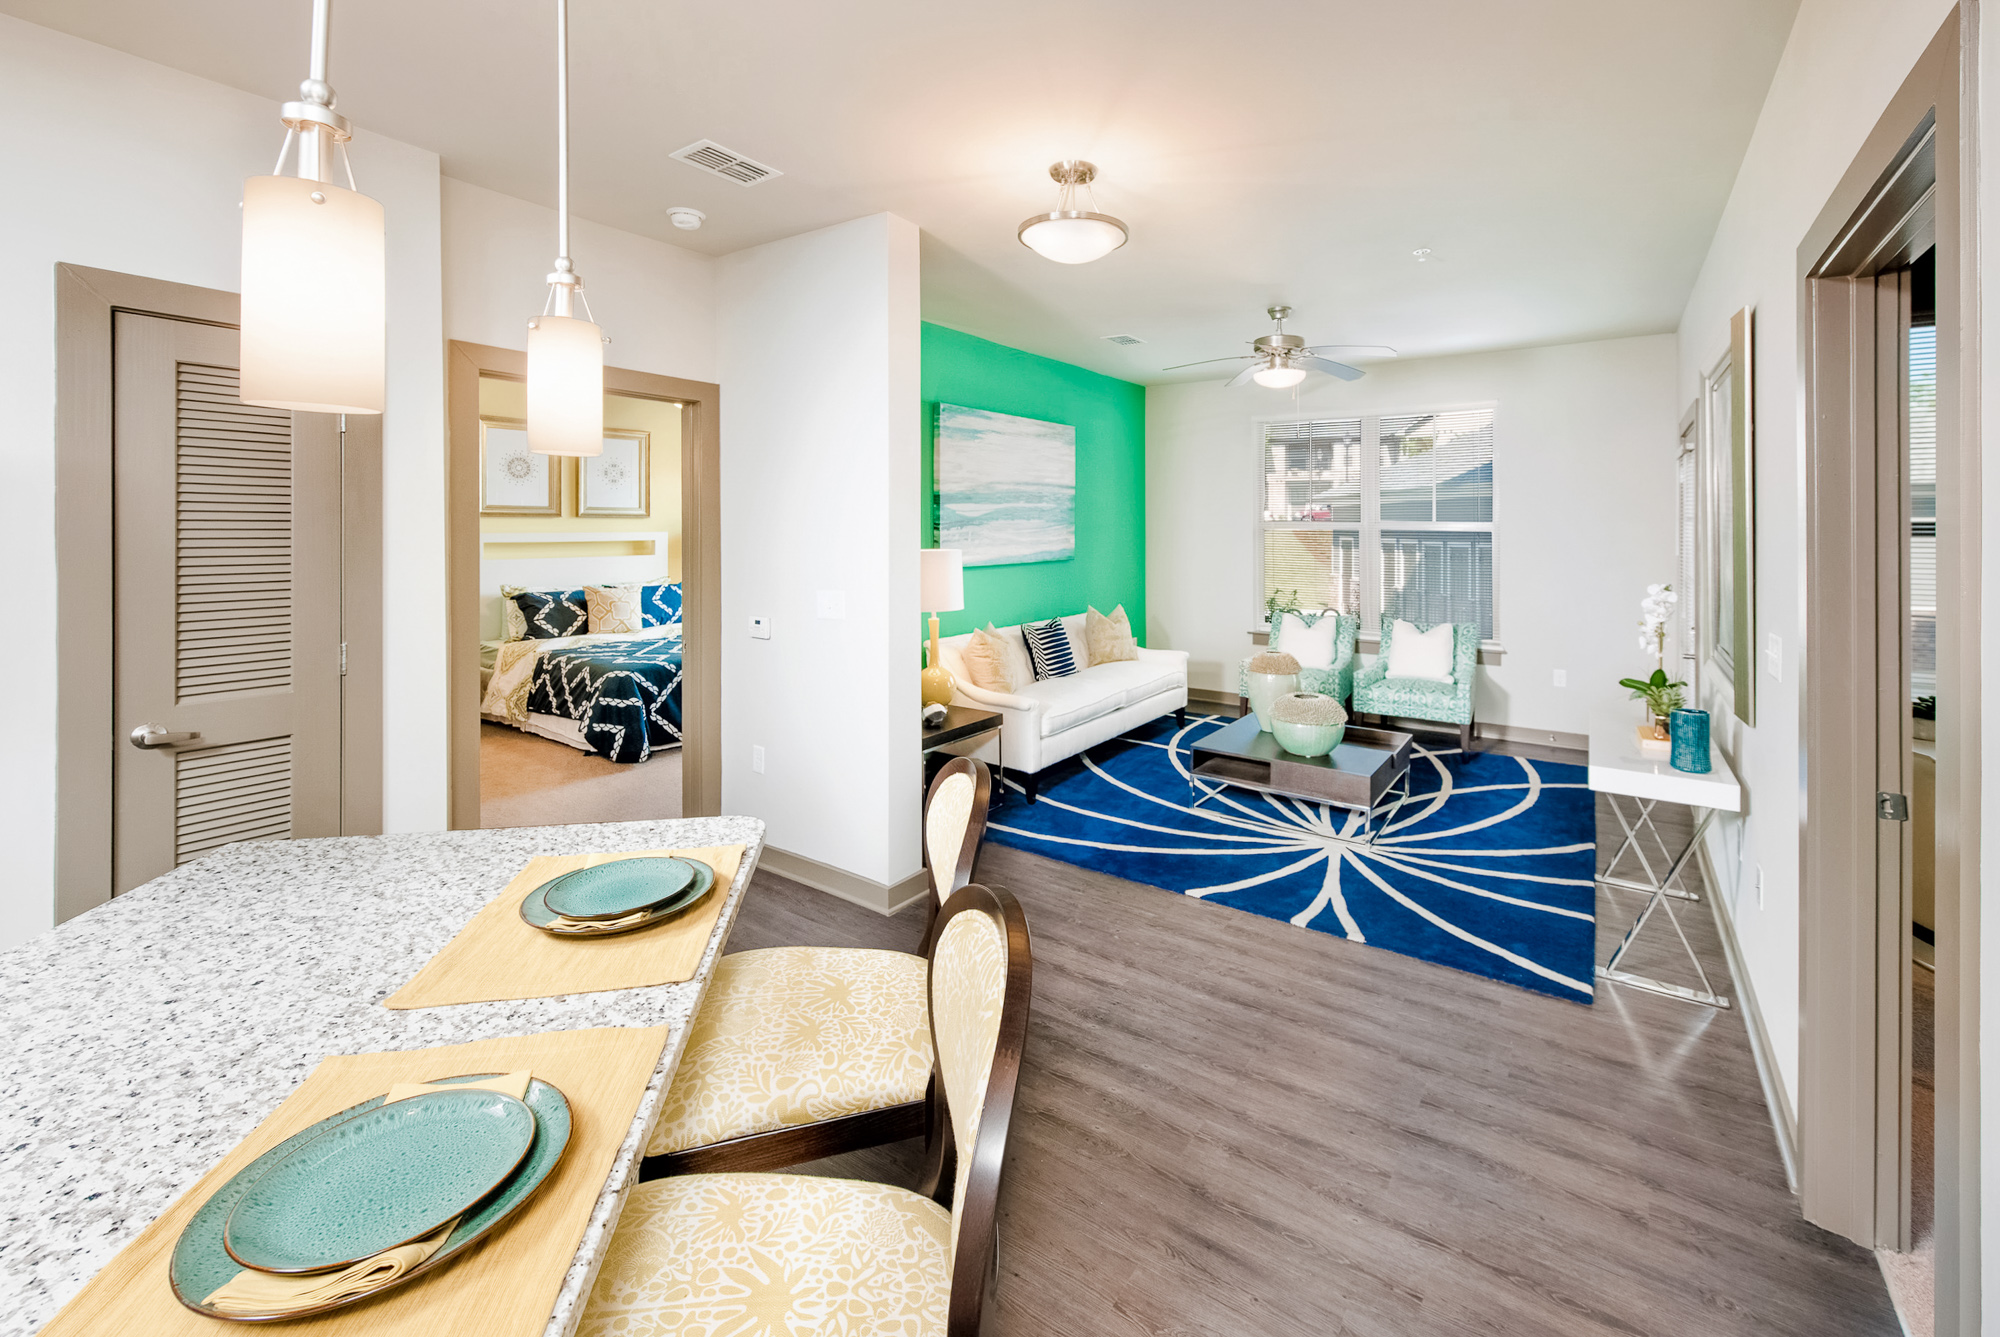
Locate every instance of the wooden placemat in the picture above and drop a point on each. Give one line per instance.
(506, 1286)
(497, 956)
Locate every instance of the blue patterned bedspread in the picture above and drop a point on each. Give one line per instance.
(626, 695)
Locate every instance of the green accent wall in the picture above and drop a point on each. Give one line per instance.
(1109, 415)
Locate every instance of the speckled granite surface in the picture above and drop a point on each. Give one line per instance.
(149, 1036)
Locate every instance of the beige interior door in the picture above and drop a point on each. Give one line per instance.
(227, 568)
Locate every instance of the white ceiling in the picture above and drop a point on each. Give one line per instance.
(1564, 160)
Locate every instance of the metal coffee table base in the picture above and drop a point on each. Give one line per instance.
(1659, 892)
(1399, 794)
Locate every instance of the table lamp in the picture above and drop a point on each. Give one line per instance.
(943, 580)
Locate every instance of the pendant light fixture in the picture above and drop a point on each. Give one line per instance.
(1069, 235)
(314, 285)
(565, 351)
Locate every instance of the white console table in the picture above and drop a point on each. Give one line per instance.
(1619, 769)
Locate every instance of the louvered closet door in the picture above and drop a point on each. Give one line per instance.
(228, 595)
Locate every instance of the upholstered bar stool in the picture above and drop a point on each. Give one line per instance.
(801, 1052)
(766, 1255)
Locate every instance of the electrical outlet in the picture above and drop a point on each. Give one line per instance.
(1760, 886)
(757, 758)
(833, 603)
(760, 628)
(1562, 677)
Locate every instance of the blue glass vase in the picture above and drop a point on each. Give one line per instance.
(1689, 731)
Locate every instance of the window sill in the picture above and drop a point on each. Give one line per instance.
(1491, 653)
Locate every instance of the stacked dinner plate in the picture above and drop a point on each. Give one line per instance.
(369, 1198)
(618, 897)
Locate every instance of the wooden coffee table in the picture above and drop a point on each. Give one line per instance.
(1368, 773)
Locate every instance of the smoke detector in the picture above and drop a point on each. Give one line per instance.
(685, 218)
(728, 164)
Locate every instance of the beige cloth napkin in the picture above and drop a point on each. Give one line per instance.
(254, 1292)
(565, 923)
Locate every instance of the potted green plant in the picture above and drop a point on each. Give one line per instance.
(1662, 695)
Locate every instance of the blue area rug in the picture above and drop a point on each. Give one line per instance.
(1487, 868)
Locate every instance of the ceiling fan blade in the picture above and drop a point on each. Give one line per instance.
(1365, 350)
(1340, 369)
(1242, 377)
(1238, 358)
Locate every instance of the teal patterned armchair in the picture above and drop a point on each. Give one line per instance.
(1376, 693)
(1337, 679)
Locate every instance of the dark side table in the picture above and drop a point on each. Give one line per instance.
(962, 723)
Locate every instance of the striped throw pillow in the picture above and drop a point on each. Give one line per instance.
(1048, 647)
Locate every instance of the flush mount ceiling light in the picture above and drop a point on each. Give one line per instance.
(314, 278)
(565, 351)
(1069, 235)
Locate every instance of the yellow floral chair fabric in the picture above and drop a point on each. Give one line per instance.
(795, 1035)
(968, 986)
(758, 1255)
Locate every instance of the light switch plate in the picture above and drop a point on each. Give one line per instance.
(1562, 677)
(1774, 656)
(833, 603)
(760, 628)
(757, 758)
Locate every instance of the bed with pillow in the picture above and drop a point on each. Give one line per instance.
(596, 668)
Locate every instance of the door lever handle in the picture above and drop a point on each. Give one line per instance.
(152, 736)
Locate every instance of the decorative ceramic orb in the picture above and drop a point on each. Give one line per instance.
(1308, 724)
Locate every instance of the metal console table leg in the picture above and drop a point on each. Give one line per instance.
(1659, 892)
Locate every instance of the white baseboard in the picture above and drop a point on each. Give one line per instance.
(1784, 1124)
(882, 898)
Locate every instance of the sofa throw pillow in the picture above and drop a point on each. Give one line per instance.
(513, 622)
(1425, 655)
(1108, 638)
(1313, 646)
(988, 664)
(1014, 649)
(661, 604)
(613, 608)
(551, 613)
(1048, 648)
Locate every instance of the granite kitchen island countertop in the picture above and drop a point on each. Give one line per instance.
(149, 1036)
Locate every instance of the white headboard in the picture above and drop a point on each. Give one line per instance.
(563, 573)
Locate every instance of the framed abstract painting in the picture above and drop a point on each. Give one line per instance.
(1006, 487)
(514, 480)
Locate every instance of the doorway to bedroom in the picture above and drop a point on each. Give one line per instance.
(579, 598)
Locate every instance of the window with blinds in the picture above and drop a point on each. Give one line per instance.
(1386, 516)
(1923, 510)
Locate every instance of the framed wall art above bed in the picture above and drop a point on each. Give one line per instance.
(617, 481)
(514, 480)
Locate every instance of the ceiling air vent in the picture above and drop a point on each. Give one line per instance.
(711, 157)
(1123, 340)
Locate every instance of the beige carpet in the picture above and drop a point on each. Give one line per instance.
(525, 780)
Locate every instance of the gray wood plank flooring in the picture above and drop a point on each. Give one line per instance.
(1229, 1125)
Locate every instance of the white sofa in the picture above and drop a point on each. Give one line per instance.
(1047, 721)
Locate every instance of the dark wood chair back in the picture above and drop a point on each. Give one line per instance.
(979, 967)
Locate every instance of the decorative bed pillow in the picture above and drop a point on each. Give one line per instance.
(990, 665)
(1424, 655)
(513, 622)
(553, 613)
(661, 604)
(1048, 648)
(613, 608)
(1313, 643)
(1108, 638)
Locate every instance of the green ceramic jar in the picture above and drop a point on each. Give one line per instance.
(1308, 724)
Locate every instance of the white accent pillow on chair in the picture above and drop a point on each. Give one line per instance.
(1313, 646)
(1420, 654)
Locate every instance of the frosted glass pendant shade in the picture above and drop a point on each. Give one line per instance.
(1070, 237)
(1278, 378)
(565, 387)
(314, 297)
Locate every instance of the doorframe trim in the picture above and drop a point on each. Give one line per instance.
(701, 570)
(86, 300)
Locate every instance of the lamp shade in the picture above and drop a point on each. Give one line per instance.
(1072, 237)
(565, 387)
(314, 297)
(1278, 377)
(943, 579)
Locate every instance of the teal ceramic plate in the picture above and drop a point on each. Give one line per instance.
(379, 1180)
(200, 1264)
(614, 890)
(535, 910)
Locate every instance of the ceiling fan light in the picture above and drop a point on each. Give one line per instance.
(565, 386)
(1073, 237)
(1278, 376)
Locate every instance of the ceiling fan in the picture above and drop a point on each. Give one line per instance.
(1282, 360)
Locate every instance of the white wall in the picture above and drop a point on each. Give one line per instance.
(1585, 437)
(1844, 62)
(657, 302)
(117, 163)
(818, 348)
